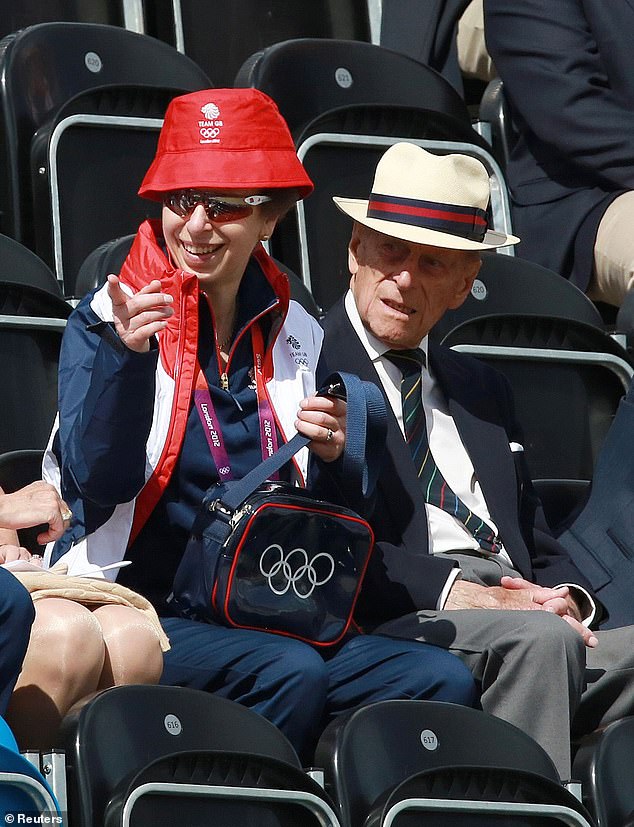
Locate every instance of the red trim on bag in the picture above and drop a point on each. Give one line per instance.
(224, 612)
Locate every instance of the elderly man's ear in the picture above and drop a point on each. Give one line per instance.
(353, 263)
(471, 271)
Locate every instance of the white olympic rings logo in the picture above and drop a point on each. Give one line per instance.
(209, 132)
(295, 570)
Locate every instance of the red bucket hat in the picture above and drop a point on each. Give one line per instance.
(224, 139)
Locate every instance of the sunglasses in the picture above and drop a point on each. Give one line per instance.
(184, 202)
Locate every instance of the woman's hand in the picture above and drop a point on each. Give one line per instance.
(323, 420)
(10, 552)
(139, 317)
(35, 504)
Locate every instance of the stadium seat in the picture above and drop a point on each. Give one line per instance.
(16, 16)
(29, 358)
(220, 43)
(412, 762)
(602, 765)
(567, 378)
(28, 286)
(513, 285)
(495, 112)
(148, 755)
(346, 102)
(80, 107)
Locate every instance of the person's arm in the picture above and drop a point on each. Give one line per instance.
(556, 81)
(106, 400)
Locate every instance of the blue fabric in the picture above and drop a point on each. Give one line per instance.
(13, 798)
(296, 688)
(600, 539)
(568, 74)
(165, 534)
(16, 617)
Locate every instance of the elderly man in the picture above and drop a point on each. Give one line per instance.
(464, 558)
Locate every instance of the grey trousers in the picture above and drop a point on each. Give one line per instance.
(534, 669)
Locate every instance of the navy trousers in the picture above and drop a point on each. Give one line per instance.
(16, 616)
(297, 688)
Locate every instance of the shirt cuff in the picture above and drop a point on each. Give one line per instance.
(454, 575)
(586, 604)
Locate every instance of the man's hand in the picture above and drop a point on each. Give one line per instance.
(558, 600)
(466, 595)
(563, 604)
(35, 504)
(139, 317)
(519, 595)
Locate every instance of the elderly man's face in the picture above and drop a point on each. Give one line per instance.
(401, 288)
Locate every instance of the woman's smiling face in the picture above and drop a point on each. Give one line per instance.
(216, 252)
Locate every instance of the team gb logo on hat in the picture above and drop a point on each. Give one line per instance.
(210, 126)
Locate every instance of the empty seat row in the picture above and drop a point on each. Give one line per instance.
(193, 758)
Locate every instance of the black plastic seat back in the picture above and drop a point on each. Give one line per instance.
(231, 788)
(567, 379)
(367, 754)
(494, 110)
(19, 265)
(16, 16)
(28, 286)
(220, 43)
(478, 797)
(42, 69)
(602, 765)
(122, 730)
(512, 285)
(311, 77)
(29, 359)
(350, 90)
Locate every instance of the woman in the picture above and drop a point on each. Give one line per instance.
(198, 324)
(73, 649)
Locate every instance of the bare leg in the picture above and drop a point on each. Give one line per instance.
(63, 663)
(133, 652)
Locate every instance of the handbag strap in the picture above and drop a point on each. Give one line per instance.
(366, 429)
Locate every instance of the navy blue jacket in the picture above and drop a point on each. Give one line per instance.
(568, 73)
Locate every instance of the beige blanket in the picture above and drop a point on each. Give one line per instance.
(89, 591)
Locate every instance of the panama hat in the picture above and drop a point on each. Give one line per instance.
(224, 139)
(440, 200)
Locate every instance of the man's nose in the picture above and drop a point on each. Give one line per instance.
(405, 274)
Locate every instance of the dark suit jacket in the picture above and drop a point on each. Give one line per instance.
(403, 576)
(568, 73)
(425, 31)
(601, 538)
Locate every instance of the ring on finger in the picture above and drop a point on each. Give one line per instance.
(329, 434)
(66, 515)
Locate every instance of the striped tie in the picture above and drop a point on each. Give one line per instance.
(436, 489)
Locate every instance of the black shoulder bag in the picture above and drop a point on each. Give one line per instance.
(270, 556)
